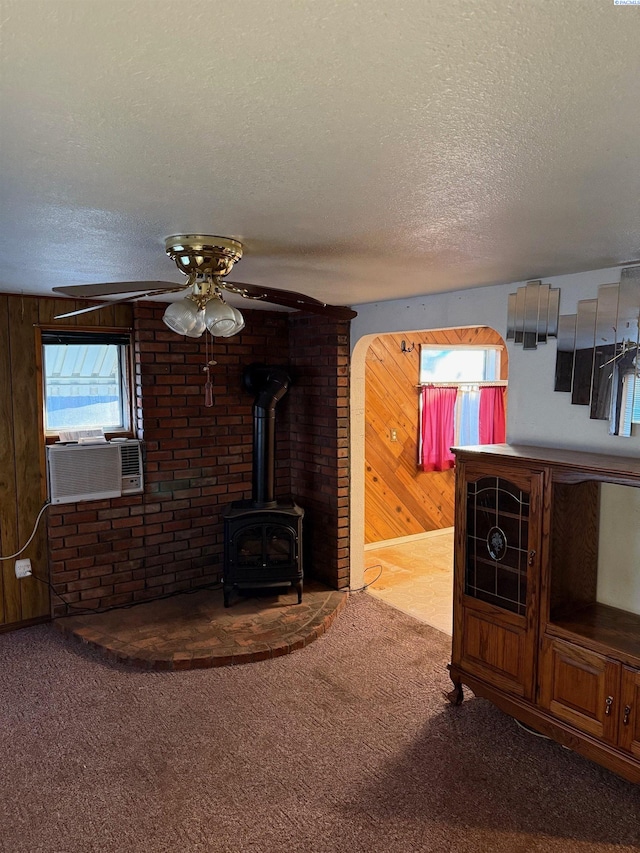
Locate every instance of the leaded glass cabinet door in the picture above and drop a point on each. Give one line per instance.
(497, 552)
(498, 522)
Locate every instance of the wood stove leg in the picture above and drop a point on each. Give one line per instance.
(299, 589)
(226, 592)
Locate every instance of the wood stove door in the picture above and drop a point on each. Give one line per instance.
(263, 552)
(265, 546)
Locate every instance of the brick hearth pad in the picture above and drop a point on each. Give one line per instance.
(192, 631)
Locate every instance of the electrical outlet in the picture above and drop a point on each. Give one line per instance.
(394, 434)
(23, 568)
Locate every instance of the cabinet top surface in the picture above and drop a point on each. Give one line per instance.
(598, 463)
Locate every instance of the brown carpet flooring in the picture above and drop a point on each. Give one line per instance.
(345, 745)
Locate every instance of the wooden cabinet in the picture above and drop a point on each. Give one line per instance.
(530, 632)
(496, 574)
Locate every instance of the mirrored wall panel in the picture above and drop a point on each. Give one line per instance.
(566, 347)
(604, 351)
(597, 357)
(625, 408)
(583, 353)
(532, 314)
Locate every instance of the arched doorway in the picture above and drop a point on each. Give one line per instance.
(394, 502)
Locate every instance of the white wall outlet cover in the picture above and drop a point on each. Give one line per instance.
(23, 568)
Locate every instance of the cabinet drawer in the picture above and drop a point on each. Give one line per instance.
(581, 687)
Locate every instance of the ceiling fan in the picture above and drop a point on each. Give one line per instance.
(205, 260)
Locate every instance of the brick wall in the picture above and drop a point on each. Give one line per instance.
(197, 460)
(319, 349)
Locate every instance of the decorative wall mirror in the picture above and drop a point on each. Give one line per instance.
(597, 358)
(532, 314)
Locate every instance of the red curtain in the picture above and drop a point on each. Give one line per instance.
(492, 420)
(437, 428)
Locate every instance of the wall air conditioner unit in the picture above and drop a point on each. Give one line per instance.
(90, 472)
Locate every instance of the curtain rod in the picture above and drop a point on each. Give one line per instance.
(497, 383)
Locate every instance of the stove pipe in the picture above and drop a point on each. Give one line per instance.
(269, 384)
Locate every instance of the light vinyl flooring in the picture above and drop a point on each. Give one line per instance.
(415, 576)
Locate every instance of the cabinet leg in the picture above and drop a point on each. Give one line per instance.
(226, 592)
(456, 696)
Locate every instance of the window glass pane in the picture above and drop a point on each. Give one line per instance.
(492, 365)
(84, 386)
(465, 364)
(467, 413)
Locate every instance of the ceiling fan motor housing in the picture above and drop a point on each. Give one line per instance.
(203, 254)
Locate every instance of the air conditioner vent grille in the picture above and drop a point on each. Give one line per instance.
(130, 455)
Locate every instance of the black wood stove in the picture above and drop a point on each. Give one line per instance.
(263, 538)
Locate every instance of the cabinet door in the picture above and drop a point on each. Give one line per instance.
(581, 687)
(498, 525)
(629, 711)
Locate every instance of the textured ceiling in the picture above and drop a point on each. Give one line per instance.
(361, 151)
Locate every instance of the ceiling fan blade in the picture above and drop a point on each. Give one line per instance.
(115, 302)
(290, 299)
(88, 291)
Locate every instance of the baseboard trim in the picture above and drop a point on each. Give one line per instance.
(401, 540)
(25, 623)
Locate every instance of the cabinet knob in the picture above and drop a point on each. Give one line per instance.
(608, 702)
(627, 714)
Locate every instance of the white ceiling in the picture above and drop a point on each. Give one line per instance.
(360, 150)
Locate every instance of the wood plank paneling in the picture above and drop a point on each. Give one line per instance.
(401, 500)
(28, 439)
(48, 308)
(22, 469)
(122, 316)
(9, 593)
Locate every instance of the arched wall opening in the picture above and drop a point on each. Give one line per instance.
(390, 496)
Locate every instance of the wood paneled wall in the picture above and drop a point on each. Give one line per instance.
(401, 500)
(22, 470)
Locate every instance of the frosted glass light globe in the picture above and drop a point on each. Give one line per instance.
(219, 317)
(238, 326)
(199, 327)
(181, 316)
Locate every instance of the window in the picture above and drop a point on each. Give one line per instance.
(86, 377)
(461, 402)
